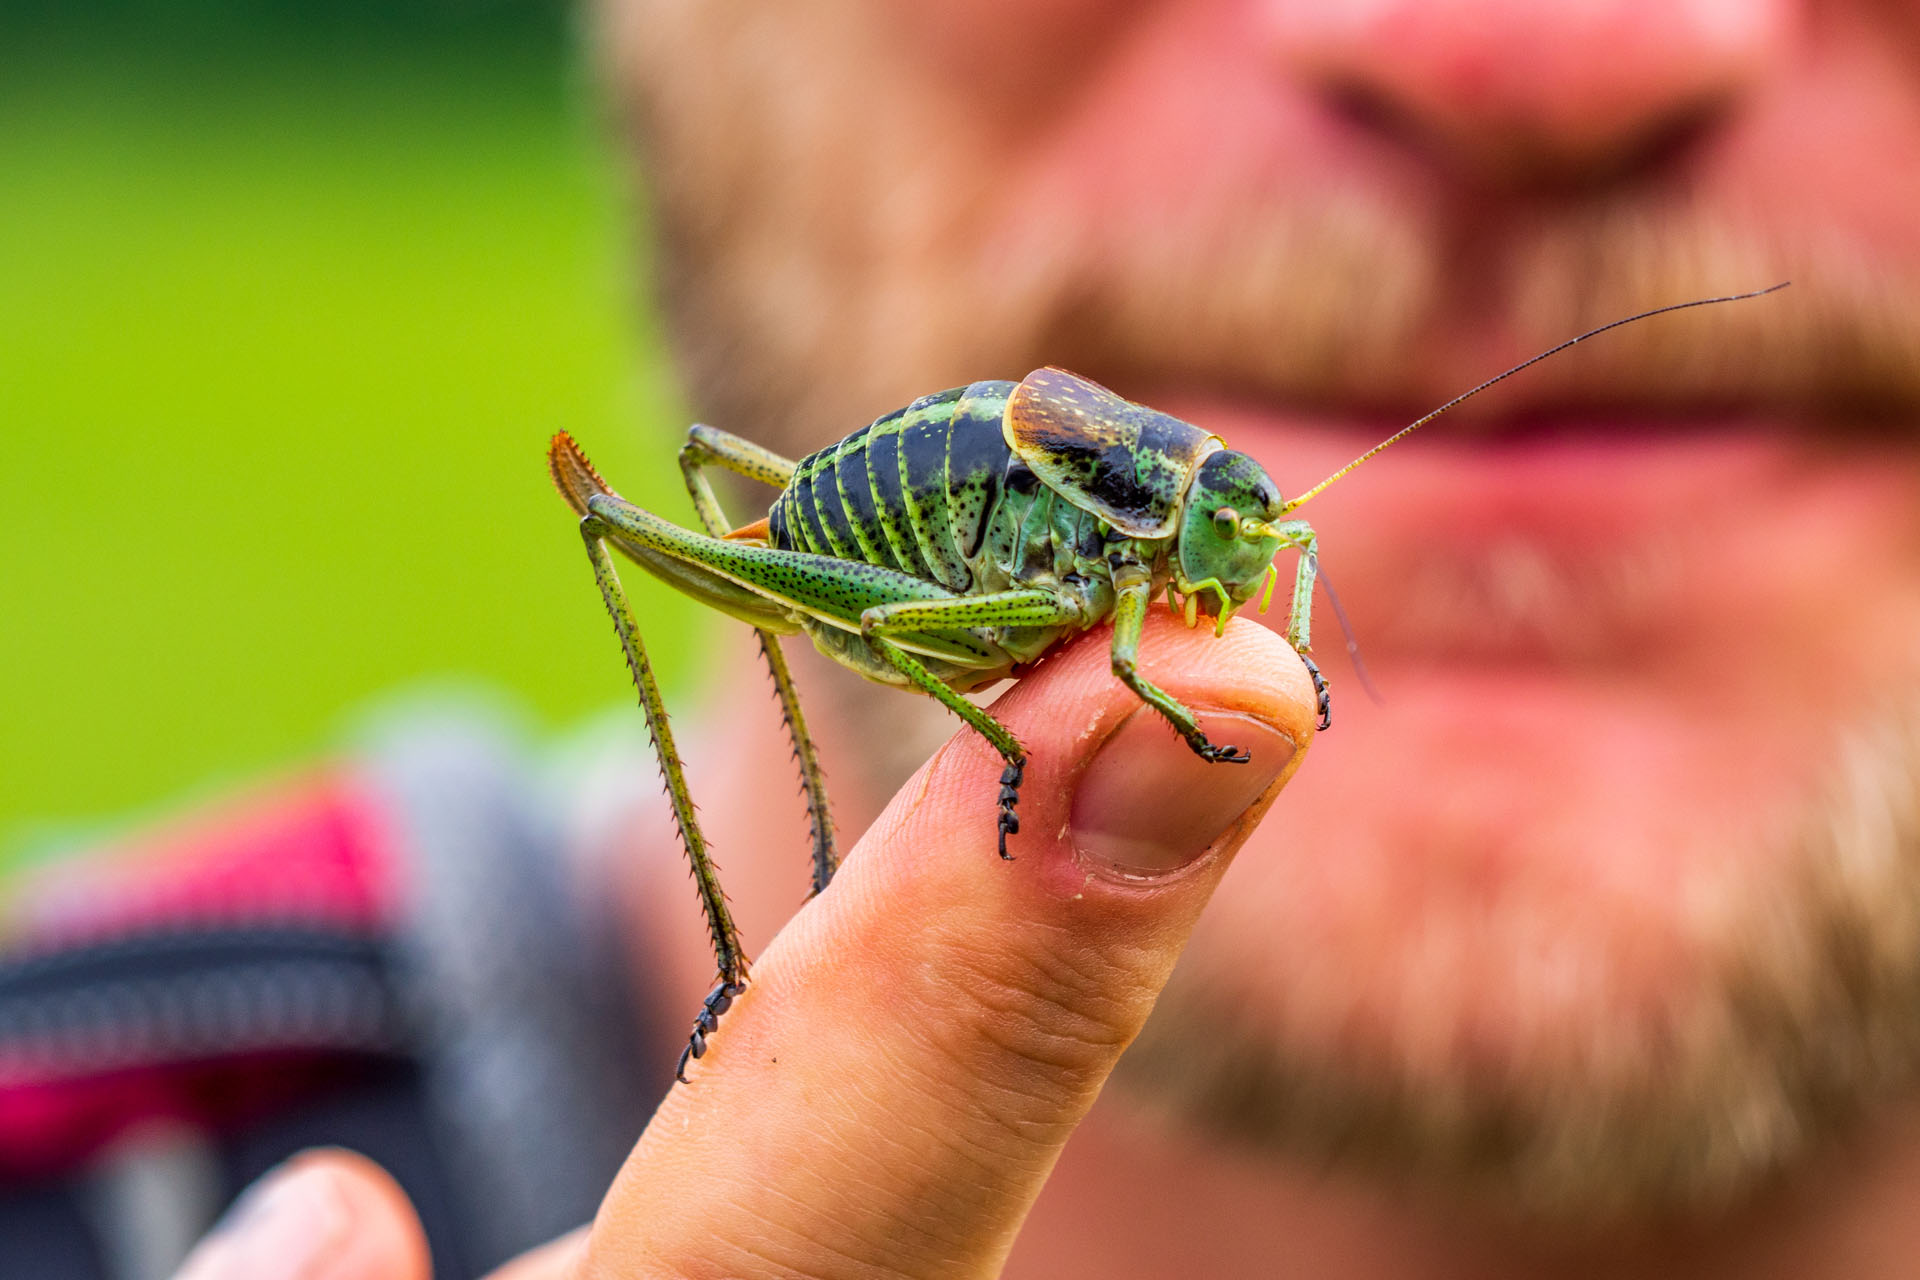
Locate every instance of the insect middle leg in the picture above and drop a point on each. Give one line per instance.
(1019, 608)
(706, 447)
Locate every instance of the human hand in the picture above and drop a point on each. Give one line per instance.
(918, 1043)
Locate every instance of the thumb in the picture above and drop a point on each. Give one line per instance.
(918, 1043)
(323, 1215)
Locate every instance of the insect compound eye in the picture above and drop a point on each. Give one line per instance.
(1226, 522)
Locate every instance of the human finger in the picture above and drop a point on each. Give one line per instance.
(915, 1047)
(558, 1259)
(323, 1215)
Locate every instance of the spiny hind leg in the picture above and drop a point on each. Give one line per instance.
(1129, 615)
(709, 447)
(728, 957)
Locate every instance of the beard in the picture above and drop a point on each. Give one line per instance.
(1799, 1014)
(813, 281)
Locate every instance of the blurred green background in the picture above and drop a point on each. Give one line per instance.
(292, 294)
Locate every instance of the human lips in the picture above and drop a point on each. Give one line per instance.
(1661, 546)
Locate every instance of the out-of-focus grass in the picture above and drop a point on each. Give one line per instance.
(286, 317)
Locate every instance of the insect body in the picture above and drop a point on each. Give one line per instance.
(945, 545)
(1043, 504)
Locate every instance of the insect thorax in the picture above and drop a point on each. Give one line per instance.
(933, 491)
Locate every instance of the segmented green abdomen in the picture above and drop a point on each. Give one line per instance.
(911, 491)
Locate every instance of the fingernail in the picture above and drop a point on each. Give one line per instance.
(1147, 805)
(284, 1227)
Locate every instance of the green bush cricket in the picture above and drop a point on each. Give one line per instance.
(948, 544)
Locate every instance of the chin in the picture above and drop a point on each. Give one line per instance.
(1552, 940)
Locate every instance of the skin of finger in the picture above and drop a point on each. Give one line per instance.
(916, 1046)
(557, 1259)
(384, 1240)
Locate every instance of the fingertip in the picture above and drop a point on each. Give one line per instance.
(327, 1214)
(1249, 670)
(1101, 763)
(390, 1243)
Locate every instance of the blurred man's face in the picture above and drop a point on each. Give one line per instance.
(1614, 901)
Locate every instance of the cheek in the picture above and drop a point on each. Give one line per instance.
(983, 32)
(1010, 53)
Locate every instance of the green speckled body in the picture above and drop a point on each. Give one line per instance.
(935, 492)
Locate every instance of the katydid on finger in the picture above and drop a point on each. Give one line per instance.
(945, 546)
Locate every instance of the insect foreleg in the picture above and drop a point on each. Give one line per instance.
(1129, 614)
(706, 447)
(728, 957)
(1298, 533)
(979, 721)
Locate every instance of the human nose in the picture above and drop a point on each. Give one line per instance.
(1533, 92)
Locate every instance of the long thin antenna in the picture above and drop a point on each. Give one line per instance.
(1412, 427)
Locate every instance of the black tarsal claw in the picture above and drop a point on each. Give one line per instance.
(1009, 797)
(696, 1048)
(1323, 698)
(718, 1001)
(1218, 755)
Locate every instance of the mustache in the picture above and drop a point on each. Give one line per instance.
(1349, 303)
